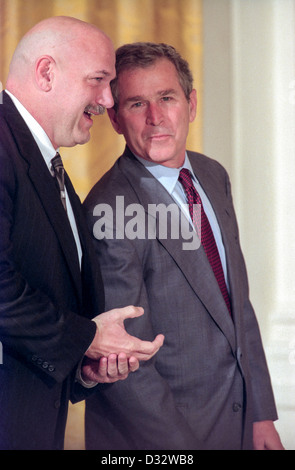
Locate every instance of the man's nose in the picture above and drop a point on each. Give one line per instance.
(106, 98)
(154, 115)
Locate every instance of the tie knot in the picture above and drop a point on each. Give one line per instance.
(185, 178)
(56, 162)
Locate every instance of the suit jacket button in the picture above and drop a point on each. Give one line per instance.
(34, 358)
(236, 407)
(45, 365)
(57, 404)
(51, 368)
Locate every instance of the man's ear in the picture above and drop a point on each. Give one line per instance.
(113, 118)
(44, 73)
(193, 105)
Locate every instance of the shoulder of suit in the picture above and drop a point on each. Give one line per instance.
(110, 185)
(199, 160)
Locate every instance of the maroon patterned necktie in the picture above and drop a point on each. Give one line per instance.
(59, 173)
(203, 228)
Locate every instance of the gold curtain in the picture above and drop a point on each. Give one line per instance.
(177, 22)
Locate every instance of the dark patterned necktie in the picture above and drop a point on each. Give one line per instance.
(204, 231)
(59, 173)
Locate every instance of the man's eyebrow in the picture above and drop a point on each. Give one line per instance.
(135, 98)
(103, 72)
(169, 91)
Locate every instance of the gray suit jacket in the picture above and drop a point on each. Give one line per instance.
(209, 382)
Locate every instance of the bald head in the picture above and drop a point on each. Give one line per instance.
(61, 72)
(52, 36)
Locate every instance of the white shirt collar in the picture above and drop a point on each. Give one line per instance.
(40, 136)
(168, 177)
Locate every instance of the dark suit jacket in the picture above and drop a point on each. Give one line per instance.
(43, 298)
(209, 381)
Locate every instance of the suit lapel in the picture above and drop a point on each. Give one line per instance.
(50, 200)
(193, 264)
(44, 185)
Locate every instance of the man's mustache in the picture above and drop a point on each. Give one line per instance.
(96, 110)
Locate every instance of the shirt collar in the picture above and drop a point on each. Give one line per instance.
(168, 177)
(40, 136)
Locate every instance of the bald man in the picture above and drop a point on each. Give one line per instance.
(57, 340)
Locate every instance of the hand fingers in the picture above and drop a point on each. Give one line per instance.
(112, 337)
(118, 315)
(103, 367)
(133, 364)
(147, 349)
(109, 369)
(130, 312)
(158, 342)
(120, 366)
(117, 365)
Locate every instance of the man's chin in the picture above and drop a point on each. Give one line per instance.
(82, 139)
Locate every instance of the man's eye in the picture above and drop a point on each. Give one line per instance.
(137, 105)
(94, 81)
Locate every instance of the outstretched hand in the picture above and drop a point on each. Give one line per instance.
(112, 338)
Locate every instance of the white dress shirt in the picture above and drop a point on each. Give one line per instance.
(48, 152)
(168, 177)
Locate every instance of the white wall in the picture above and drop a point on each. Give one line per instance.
(249, 126)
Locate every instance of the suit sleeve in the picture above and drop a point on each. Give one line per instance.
(32, 328)
(144, 409)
